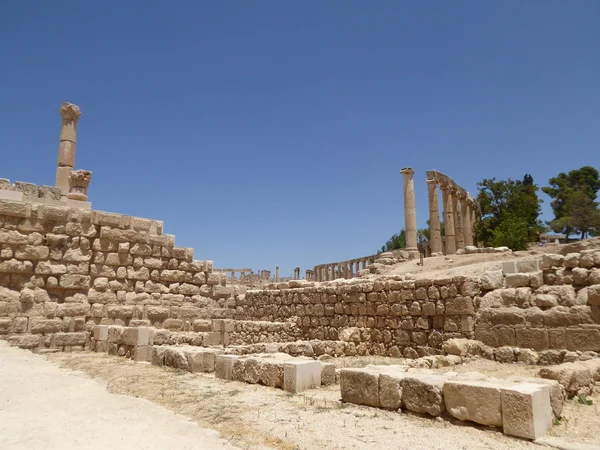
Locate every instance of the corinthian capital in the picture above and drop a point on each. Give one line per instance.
(69, 111)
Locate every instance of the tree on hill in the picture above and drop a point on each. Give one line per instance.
(510, 213)
(585, 180)
(396, 242)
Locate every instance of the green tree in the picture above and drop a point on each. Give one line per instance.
(510, 213)
(585, 179)
(395, 242)
(581, 214)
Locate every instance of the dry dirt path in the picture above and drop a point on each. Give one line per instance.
(45, 407)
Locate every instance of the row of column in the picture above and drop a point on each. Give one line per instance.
(459, 217)
(347, 269)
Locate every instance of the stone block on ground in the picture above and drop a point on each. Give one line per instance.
(526, 410)
(476, 401)
(224, 366)
(176, 358)
(360, 386)
(423, 393)
(299, 376)
(557, 391)
(201, 360)
(142, 353)
(327, 373)
(390, 389)
(137, 336)
(574, 377)
(158, 355)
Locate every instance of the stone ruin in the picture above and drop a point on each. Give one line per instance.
(75, 278)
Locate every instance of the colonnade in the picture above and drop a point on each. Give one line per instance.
(344, 269)
(459, 212)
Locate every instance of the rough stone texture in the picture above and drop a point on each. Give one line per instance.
(299, 376)
(477, 401)
(360, 386)
(526, 410)
(423, 393)
(390, 389)
(574, 377)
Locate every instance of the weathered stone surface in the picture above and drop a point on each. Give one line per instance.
(492, 280)
(224, 366)
(574, 377)
(360, 386)
(477, 401)
(299, 376)
(422, 393)
(557, 392)
(526, 410)
(390, 389)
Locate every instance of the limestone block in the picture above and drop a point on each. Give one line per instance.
(516, 280)
(212, 338)
(28, 189)
(158, 355)
(72, 309)
(557, 392)
(360, 386)
(50, 268)
(172, 275)
(572, 260)
(459, 306)
(422, 393)
(201, 360)
(100, 332)
(299, 376)
(25, 340)
(509, 267)
(115, 334)
(550, 260)
(270, 373)
(40, 325)
(327, 373)
(137, 336)
(176, 358)
(13, 237)
(16, 267)
(594, 295)
(143, 353)
(492, 280)
(202, 325)
(526, 410)
(528, 266)
(69, 339)
(71, 281)
(476, 401)
(224, 366)
(390, 389)
(574, 377)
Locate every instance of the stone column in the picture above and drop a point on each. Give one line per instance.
(66, 149)
(448, 219)
(466, 220)
(277, 274)
(458, 215)
(410, 216)
(435, 231)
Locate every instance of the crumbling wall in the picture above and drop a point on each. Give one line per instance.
(64, 270)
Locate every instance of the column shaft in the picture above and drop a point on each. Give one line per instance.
(435, 230)
(449, 221)
(458, 224)
(410, 216)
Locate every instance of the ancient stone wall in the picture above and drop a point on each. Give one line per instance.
(553, 303)
(387, 316)
(64, 270)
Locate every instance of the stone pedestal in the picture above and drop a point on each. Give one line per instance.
(66, 150)
(435, 232)
(410, 216)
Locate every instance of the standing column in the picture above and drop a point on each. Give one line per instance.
(458, 215)
(277, 274)
(473, 222)
(466, 220)
(435, 230)
(448, 220)
(66, 149)
(410, 216)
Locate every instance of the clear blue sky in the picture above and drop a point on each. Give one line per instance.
(272, 133)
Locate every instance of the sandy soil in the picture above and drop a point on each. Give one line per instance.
(45, 407)
(251, 416)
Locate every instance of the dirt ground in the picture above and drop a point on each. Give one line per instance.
(257, 417)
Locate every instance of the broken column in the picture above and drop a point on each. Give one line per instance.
(70, 114)
(435, 232)
(448, 219)
(410, 216)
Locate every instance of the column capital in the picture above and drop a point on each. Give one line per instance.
(78, 184)
(69, 111)
(407, 171)
(431, 181)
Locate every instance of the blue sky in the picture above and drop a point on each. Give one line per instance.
(272, 133)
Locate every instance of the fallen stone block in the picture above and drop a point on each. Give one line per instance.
(390, 389)
(526, 410)
(299, 376)
(423, 393)
(224, 366)
(594, 366)
(271, 373)
(557, 391)
(476, 401)
(24, 340)
(574, 377)
(69, 339)
(175, 357)
(142, 353)
(158, 355)
(360, 386)
(201, 360)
